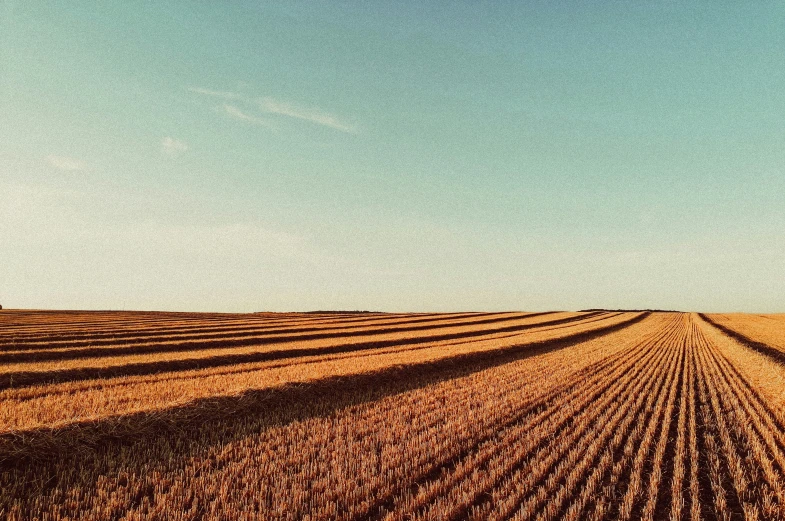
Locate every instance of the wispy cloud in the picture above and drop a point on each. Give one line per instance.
(215, 93)
(173, 147)
(69, 164)
(274, 106)
(312, 115)
(237, 113)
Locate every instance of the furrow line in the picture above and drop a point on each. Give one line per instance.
(666, 372)
(598, 458)
(679, 470)
(627, 503)
(727, 504)
(606, 506)
(621, 465)
(213, 356)
(388, 501)
(565, 418)
(45, 441)
(664, 455)
(756, 431)
(47, 349)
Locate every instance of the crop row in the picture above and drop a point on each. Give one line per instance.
(608, 416)
(86, 397)
(353, 461)
(237, 328)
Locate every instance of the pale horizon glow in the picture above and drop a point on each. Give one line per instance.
(392, 156)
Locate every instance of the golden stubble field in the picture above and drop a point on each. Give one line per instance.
(544, 416)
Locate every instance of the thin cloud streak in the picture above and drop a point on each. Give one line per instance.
(312, 115)
(68, 164)
(236, 113)
(277, 107)
(215, 93)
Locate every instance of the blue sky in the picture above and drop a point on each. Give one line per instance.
(392, 155)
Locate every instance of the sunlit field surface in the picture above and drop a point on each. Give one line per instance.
(546, 416)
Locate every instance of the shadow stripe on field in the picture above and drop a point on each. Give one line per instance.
(764, 349)
(22, 447)
(208, 339)
(15, 380)
(241, 323)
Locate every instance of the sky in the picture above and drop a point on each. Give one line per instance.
(393, 156)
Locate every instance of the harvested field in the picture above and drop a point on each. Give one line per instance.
(543, 416)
